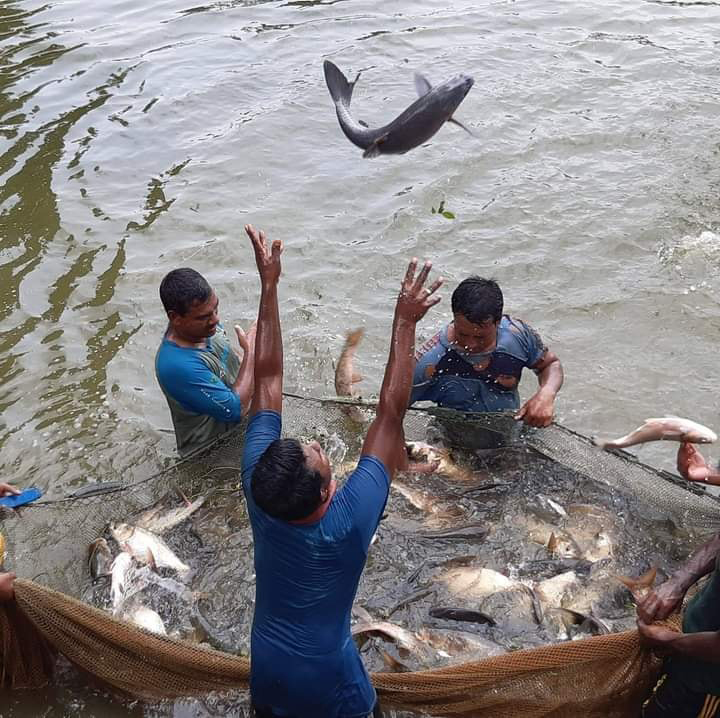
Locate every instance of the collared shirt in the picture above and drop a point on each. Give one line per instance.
(303, 660)
(454, 378)
(197, 385)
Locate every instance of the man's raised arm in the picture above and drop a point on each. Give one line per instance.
(386, 431)
(268, 342)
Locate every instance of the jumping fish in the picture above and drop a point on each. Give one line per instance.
(99, 559)
(345, 375)
(118, 581)
(158, 522)
(417, 124)
(667, 428)
(145, 546)
(434, 459)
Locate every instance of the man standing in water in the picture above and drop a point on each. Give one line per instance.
(475, 362)
(311, 541)
(690, 683)
(207, 387)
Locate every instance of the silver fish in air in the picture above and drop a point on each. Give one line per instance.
(415, 125)
(666, 428)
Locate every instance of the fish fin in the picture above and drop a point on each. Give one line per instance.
(460, 124)
(184, 498)
(352, 339)
(363, 123)
(422, 84)
(552, 543)
(374, 149)
(356, 378)
(340, 89)
(648, 578)
(151, 559)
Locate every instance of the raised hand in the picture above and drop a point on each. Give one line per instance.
(415, 298)
(267, 260)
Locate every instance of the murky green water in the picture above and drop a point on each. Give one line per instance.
(139, 137)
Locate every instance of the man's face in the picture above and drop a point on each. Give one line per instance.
(199, 322)
(316, 460)
(474, 338)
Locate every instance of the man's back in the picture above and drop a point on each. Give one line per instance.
(304, 661)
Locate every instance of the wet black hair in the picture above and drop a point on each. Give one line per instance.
(282, 485)
(478, 300)
(181, 288)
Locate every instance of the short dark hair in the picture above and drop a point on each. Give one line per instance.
(181, 288)
(478, 300)
(282, 485)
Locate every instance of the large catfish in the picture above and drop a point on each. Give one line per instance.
(417, 124)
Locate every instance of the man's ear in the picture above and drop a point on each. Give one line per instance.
(172, 315)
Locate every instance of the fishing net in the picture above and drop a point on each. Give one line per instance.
(603, 675)
(599, 676)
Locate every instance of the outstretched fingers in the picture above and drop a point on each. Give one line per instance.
(410, 273)
(422, 277)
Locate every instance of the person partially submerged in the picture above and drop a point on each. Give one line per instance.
(474, 364)
(207, 386)
(311, 539)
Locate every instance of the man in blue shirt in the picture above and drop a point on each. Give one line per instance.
(310, 538)
(475, 362)
(207, 387)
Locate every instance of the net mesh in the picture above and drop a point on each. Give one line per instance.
(603, 675)
(599, 676)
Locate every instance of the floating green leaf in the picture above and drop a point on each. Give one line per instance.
(448, 214)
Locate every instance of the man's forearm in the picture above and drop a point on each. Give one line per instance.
(397, 382)
(245, 380)
(701, 646)
(268, 343)
(551, 378)
(698, 565)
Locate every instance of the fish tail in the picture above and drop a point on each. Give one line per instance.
(352, 339)
(340, 89)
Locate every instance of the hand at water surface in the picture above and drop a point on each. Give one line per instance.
(538, 410)
(267, 260)
(7, 490)
(415, 298)
(6, 586)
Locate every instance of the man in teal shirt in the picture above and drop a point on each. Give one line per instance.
(207, 387)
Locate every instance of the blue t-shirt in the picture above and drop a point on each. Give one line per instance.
(304, 662)
(454, 378)
(197, 386)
